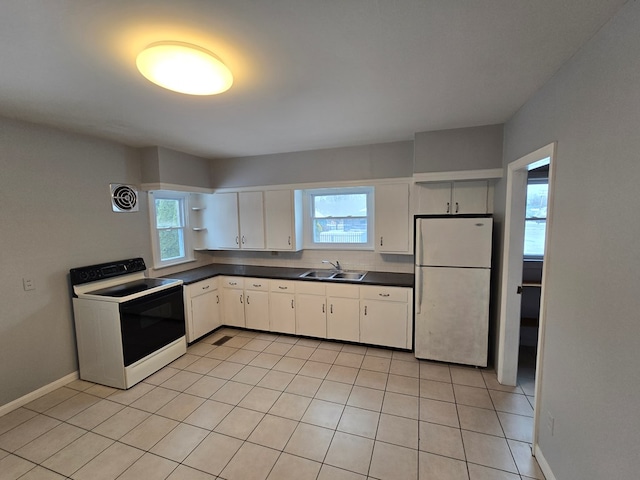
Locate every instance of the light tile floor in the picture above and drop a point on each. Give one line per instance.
(264, 406)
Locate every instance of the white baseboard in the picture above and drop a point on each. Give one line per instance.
(542, 462)
(30, 397)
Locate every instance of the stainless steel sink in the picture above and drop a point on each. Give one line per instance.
(333, 275)
(355, 276)
(318, 274)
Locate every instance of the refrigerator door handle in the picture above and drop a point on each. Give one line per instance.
(419, 243)
(418, 286)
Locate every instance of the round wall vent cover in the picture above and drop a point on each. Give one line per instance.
(124, 198)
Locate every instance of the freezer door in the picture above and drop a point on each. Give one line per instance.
(453, 320)
(454, 242)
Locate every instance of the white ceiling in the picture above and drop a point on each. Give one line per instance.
(308, 73)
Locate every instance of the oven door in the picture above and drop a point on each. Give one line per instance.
(151, 322)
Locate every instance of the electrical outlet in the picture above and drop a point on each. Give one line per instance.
(550, 422)
(28, 284)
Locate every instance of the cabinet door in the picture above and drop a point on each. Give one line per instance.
(384, 323)
(221, 221)
(435, 199)
(392, 218)
(343, 319)
(311, 317)
(205, 314)
(281, 219)
(256, 309)
(469, 197)
(233, 306)
(251, 220)
(282, 312)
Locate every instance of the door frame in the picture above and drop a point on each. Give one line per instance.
(512, 258)
(511, 272)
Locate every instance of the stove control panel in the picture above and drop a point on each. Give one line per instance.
(103, 271)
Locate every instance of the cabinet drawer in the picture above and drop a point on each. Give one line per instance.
(343, 290)
(311, 288)
(282, 286)
(392, 294)
(260, 284)
(233, 282)
(204, 286)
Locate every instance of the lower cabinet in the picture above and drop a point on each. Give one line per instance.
(385, 316)
(202, 308)
(282, 311)
(233, 301)
(374, 315)
(256, 303)
(343, 312)
(311, 314)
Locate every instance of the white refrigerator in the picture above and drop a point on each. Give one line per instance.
(452, 275)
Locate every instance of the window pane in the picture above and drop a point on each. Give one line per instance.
(344, 205)
(534, 231)
(340, 230)
(537, 200)
(168, 213)
(171, 244)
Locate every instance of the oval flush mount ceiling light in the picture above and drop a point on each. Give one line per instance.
(184, 68)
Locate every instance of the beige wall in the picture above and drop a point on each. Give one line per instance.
(591, 379)
(55, 213)
(472, 148)
(383, 160)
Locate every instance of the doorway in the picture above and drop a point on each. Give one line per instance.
(511, 287)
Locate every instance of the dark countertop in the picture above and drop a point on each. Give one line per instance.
(285, 273)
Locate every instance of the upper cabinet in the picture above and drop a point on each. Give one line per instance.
(453, 198)
(392, 218)
(251, 213)
(283, 219)
(234, 220)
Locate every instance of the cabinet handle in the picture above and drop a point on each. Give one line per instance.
(323, 308)
(206, 287)
(457, 207)
(243, 239)
(233, 283)
(365, 309)
(381, 241)
(383, 294)
(331, 311)
(240, 298)
(448, 207)
(282, 288)
(289, 240)
(257, 285)
(217, 299)
(291, 303)
(237, 243)
(247, 299)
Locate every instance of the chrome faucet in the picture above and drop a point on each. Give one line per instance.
(335, 265)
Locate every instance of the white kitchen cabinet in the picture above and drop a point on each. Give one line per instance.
(311, 311)
(386, 316)
(251, 212)
(233, 301)
(343, 312)
(283, 219)
(256, 303)
(202, 308)
(221, 221)
(453, 198)
(392, 218)
(234, 220)
(282, 311)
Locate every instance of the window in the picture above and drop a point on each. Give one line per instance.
(340, 218)
(170, 239)
(535, 223)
